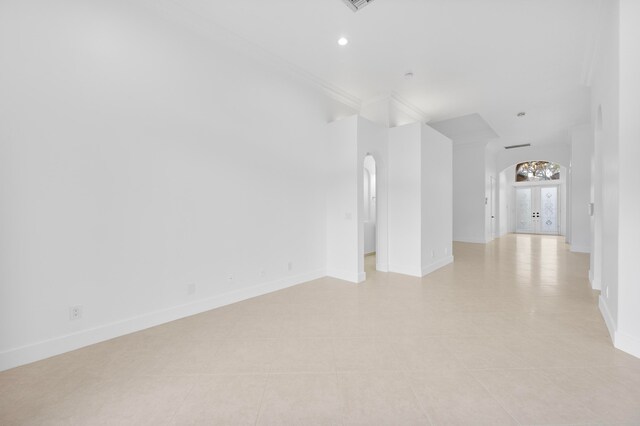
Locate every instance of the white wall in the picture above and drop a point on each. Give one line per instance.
(469, 191)
(343, 200)
(605, 89)
(616, 231)
(580, 195)
(405, 220)
(134, 157)
(504, 200)
(349, 141)
(628, 333)
(437, 199)
(420, 199)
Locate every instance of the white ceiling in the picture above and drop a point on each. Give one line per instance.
(494, 58)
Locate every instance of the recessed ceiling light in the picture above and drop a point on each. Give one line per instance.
(343, 41)
(408, 74)
(522, 114)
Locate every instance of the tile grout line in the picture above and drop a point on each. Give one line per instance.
(423, 410)
(187, 395)
(264, 391)
(495, 398)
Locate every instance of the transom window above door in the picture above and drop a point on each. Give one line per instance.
(534, 171)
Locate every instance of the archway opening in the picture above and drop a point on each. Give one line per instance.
(370, 213)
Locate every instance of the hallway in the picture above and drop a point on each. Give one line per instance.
(508, 334)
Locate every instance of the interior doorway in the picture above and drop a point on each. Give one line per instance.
(370, 216)
(492, 213)
(537, 210)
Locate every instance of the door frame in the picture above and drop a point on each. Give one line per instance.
(539, 185)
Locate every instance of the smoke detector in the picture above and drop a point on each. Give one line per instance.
(356, 5)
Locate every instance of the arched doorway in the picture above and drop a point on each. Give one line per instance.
(370, 213)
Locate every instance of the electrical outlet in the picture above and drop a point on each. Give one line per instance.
(290, 266)
(75, 313)
(191, 288)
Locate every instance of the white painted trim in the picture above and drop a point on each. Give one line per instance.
(409, 109)
(580, 249)
(58, 345)
(608, 319)
(427, 269)
(595, 284)
(362, 277)
(401, 103)
(406, 270)
(627, 343)
(344, 275)
(621, 340)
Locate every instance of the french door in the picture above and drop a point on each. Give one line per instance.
(537, 210)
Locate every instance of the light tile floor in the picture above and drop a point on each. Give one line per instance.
(509, 334)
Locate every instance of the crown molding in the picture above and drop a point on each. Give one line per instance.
(175, 12)
(410, 109)
(400, 103)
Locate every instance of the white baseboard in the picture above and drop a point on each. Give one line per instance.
(627, 343)
(427, 269)
(406, 270)
(580, 249)
(608, 319)
(620, 339)
(48, 348)
(382, 267)
(352, 277)
(422, 271)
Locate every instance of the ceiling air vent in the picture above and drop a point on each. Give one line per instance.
(356, 5)
(517, 146)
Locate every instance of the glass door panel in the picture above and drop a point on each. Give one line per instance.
(537, 210)
(524, 209)
(548, 222)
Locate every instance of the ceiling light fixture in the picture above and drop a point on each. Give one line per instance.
(342, 41)
(408, 74)
(522, 114)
